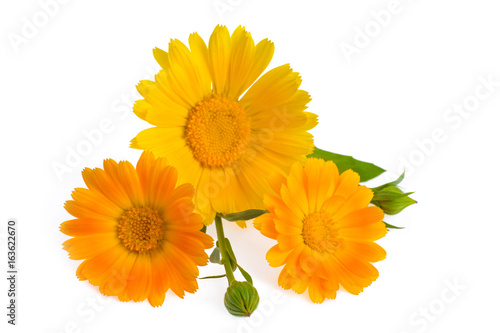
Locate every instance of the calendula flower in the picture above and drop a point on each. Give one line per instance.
(324, 228)
(136, 231)
(219, 124)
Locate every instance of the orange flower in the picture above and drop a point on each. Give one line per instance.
(136, 231)
(324, 228)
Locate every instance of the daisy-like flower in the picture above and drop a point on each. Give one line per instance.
(219, 124)
(136, 231)
(324, 228)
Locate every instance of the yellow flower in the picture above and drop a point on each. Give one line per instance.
(219, 124)
(136, 231)
(324, 228)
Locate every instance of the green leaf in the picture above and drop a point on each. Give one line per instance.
(204, 229)
(213, 277)
(245, 215)
(245, 275)
(230, 252)
(390, 226)
(215, 257)
(365, 170)
(393, 183)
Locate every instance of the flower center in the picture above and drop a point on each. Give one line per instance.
(141, 229)
(319, 232)
(217, 131)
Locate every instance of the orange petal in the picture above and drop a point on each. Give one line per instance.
(276, 257)
(84, 247)
(361, 217)
(315, 290)
(267, 227)
(140, 278)
(367, 251)
(87, 226)
(287, 242)
(348, 184)
(369, 232)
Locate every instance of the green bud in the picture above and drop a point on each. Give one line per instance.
(390, 198)
(241, 299)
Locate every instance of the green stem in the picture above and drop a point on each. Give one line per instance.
(223, 250)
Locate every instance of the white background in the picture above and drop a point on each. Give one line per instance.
(80, 68)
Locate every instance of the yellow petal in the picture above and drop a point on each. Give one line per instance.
(219, 57)
(162, 58)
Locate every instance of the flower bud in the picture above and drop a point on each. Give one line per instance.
(390, 198)
(241, 299)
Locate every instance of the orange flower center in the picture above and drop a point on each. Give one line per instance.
(319, 232)
(217, 131)
(141, 229)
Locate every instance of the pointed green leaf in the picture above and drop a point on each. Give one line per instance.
(365, 170)
(393, 183)
(390, 226)
(215, 257)
(232, 257)
(245, 275)
(213, 277)
(245, 215)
